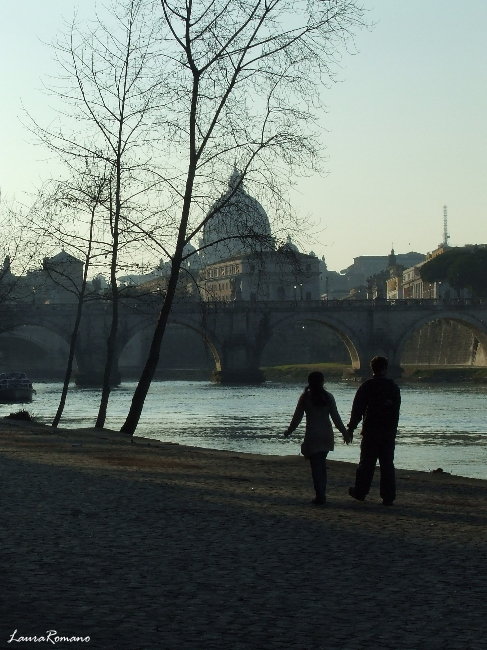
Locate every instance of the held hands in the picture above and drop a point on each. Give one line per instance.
(348, 436)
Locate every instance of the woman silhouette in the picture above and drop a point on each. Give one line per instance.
(319, 406)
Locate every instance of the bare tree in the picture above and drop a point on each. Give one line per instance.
(56, 207)
(109, 93)
(170, 97)
(241, 89)
(89, 193)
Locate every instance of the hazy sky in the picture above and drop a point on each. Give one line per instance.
(406, 125)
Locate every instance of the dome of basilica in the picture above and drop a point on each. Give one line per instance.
(289, 247)
(240, 225)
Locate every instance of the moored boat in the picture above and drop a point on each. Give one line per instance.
(15, 387)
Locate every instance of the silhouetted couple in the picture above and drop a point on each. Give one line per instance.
(376, 404)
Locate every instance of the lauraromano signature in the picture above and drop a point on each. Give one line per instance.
(51, 636)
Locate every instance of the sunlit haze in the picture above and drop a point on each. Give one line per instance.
(405, 131)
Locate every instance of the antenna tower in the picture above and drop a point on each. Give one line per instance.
(446, 236)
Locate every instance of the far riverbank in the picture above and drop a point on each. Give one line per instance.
(413, 374)
(296, 373)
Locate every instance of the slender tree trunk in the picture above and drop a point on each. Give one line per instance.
(112, 336)
(69, 365)
(107, 373)
(147, 375)
(79, 312)
(138, 400)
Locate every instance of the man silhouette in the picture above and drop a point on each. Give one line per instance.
(377, 403)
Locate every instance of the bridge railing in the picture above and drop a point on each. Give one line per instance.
(194, 306)
(342, 305)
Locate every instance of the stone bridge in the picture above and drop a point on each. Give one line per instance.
(237, 333)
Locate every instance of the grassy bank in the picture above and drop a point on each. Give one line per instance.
(299, 372)
(440, 374)
(431, 374)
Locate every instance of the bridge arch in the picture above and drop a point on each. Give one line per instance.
(343, 333)
(35, 348)
(130, 334)
(31, 318)
(477, 328)
(237, 334)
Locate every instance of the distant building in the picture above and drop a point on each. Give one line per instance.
(58, 281)
(240, 260)
(237, 224)
(275, 275)
(365, 266)
(333, 285)
(394, 286)
(384, 283)
(414, 288)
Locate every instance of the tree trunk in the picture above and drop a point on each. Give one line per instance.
(79, 311)
(107, 374)
(69, 365)
(138, 399)
(112, 337)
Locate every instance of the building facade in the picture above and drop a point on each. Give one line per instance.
(408, 284)
(274, 275)
(239, 258)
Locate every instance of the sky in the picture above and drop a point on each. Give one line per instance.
(405, 127)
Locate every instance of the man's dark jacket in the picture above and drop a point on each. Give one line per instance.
(377, 402)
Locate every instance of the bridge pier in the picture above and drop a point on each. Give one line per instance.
(91, 353)
(93, 377)
(91, 368)
(239, 361)
(377, 344)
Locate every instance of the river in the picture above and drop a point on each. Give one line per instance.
(440, 426)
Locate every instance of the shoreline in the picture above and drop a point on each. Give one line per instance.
(83, 436)
(296, 373)
(437, 466)
(111, 453)
(158, 545)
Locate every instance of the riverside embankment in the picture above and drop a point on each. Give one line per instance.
(154, 545)
(411, 373)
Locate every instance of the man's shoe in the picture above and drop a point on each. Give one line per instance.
(353, 493)
(387, 502)
(318, 502)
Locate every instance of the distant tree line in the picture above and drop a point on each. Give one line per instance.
(462, 268)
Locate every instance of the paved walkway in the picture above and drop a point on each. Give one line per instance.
(180, 549)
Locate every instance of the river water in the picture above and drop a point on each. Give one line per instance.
(440, 426)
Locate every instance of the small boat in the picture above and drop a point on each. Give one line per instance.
(15, 387)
